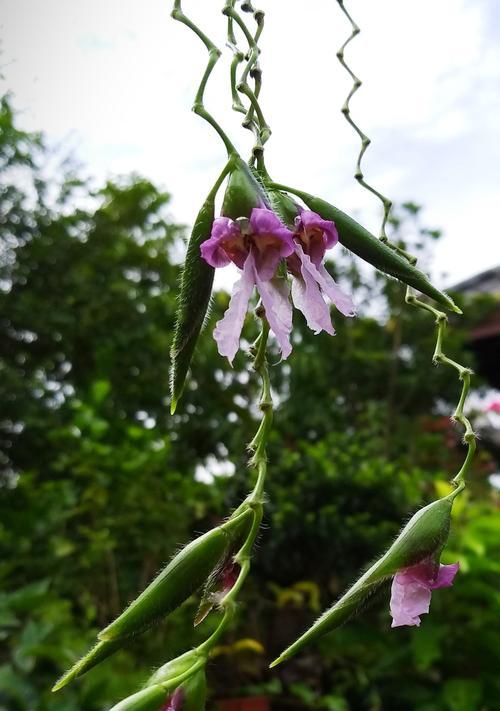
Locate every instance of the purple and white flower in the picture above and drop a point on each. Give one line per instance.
(311, 280)
(256, 245)
(412, 588)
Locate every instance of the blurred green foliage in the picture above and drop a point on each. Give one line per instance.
(99, 485)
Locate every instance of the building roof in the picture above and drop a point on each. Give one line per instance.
(487, 282)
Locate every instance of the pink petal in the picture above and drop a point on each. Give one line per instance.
(174, 702)
(410, 598)
(272, 240)
(228, 330)
(342, 301)
(223, 229)
(307, 298)
(446, 575)
(493, 406)
(275, 298)
(312, 221)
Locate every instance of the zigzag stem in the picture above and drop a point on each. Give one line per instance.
(255, 500)
(365, 140)
(254, 118)
(213, 57)
(464, 374)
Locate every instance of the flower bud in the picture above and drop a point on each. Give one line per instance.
(243, 193)
(185, 573)
(286, 208)
(424, 535)
(174, 667)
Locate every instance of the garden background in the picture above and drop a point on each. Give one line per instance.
(99, 485)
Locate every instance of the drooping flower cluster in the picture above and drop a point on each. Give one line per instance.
(412, 588)
(257, 245)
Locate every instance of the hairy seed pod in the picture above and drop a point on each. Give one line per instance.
(185, 573)
(424, 535)
(189, 696)
(101, 651)
(153, 698)
(194, 298)
(358, 240)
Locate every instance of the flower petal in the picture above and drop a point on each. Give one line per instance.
(273, 241)
(275, 298)
(342, 301)
(446, 575)
(410, 598)
(224, 231)
(227, 331)
(307, 298)
(174, 702)
(323, 233)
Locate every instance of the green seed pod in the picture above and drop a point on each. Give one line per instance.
(243, 193)
(98, 653)
(174, 667)
(152, 698)
(185, 573)
(195, 692)
(358, 240)
(194, 298)
(424, 535)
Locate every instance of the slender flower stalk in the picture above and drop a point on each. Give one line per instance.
(255, 500)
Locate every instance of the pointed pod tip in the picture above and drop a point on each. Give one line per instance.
(173, 406)
(457, 309)
(60, 683)
(277, 661)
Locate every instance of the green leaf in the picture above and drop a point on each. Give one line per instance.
(462, 694)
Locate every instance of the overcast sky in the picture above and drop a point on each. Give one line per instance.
(116, 79)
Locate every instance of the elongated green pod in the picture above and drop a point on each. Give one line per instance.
(358, 240)
(152, 698)
(98, 653)
(185, 573)
(424, 535)
(196, 287)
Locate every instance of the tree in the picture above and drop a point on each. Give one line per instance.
(98, 483)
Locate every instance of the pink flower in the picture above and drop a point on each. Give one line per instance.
(256, 246)
(311, 282)
(412, 587)
(493, 406)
